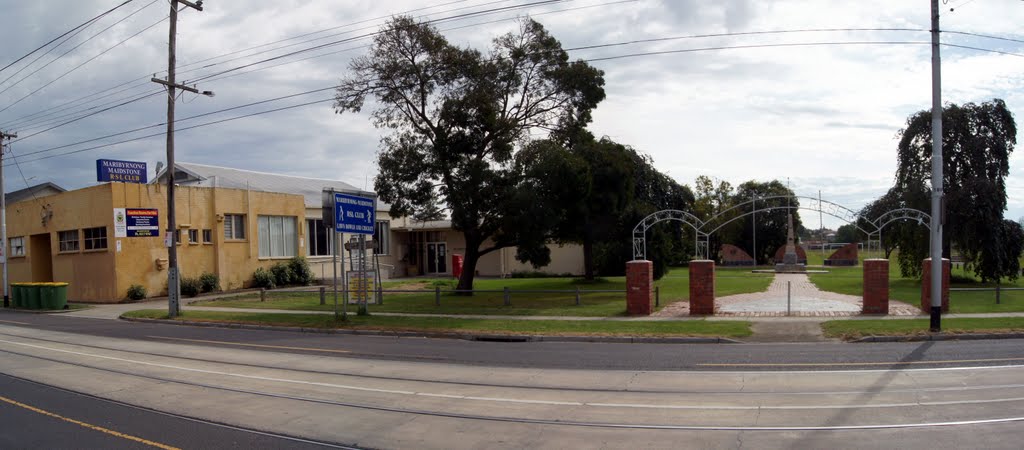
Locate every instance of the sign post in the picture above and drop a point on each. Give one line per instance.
(354, 213)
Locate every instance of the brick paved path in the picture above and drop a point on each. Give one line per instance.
(805, 300)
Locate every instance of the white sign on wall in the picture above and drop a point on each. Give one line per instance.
(120, 223)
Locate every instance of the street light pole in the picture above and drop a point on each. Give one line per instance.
(753, 223)
(937, 181)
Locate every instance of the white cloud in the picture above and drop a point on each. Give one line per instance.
(824, 116)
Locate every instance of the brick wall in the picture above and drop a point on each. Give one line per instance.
(845, 256)
(926, 286)
(876, 286)
(735, 256)
(702, 287)
(639, 285)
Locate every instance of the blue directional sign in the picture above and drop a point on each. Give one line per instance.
(354, 214)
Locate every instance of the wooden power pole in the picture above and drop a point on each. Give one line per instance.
(173, 274)
(3, 216)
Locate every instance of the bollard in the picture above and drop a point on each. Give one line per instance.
(508, 297)
(323, 295)
(437, 295)
(788, 297)
(657, 296)
(263, 294)
(997, 292)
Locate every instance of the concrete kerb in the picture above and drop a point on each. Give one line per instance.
(443, 335)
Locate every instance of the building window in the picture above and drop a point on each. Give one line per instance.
(234, 226)
(95, 238)
(68, 240)
(207, 236)
(17, 246)
(193, 236)
(177, 237)
(382, 235)
(277, 235)
(319, 238)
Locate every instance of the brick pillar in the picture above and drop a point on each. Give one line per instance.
(639, 285)
(926, 285)
(702, 287)
(876, 286)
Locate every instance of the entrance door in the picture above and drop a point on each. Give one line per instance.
(41, 255)
(436, 254)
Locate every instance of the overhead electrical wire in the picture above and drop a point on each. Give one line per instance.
(71, 49)
(596, 59)
(82, 25)
(137, 82)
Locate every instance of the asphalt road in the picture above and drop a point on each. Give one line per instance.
(556, 355)
(40, 416)
(383, 392)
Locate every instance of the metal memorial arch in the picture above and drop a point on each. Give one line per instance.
(704, 229)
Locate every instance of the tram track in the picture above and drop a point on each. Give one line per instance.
(630, 390)
(528, 420)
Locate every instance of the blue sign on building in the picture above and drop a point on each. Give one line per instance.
(123, 171)
(354, 214)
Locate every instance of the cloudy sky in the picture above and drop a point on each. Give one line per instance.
(824, 117)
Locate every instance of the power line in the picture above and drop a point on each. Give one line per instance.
(69, 50)
(629, 55)
(986, 36)
(83, 24)
(143, 81)
(82, 64)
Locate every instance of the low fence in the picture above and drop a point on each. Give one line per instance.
(998, 290)
(506, 292)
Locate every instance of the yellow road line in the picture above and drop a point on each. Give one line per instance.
(282, 347)
(89, 426)
(890, 363)
(11, 321)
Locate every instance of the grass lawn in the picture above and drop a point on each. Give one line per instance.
(673, 287)
(849, 280)
(853, 329)
(548, 327)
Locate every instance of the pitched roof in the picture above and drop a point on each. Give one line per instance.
(310, 188)
(39, 190)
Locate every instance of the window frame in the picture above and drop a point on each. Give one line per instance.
(61, 241)
(234, 228)
(314, 229)
(207, 236)
(383, 247)
(193, 236)
(272, 236)
(10, 247)
(91, 244)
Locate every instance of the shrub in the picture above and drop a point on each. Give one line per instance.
(190, 286)
(208, 282)
(283, 274)
(136, 292)
(301, 273)
(262, 278)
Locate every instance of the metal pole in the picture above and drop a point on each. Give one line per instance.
(508, 297)
(578, 296)
(937, 182)
(344, 278)
(821, 228)
(334, 262)
(437, 295)
(997, 291)
(3, 218)
(789, 303)
(753, 220)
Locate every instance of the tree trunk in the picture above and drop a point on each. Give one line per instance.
(588, 257)
(469, 266)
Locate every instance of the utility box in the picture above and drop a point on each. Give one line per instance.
(457, 265)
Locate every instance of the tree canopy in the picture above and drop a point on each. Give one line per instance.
(458, 118)
(977, 142)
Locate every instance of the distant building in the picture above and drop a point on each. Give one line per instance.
(39, 190)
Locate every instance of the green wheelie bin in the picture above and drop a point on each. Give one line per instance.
(53, 295)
